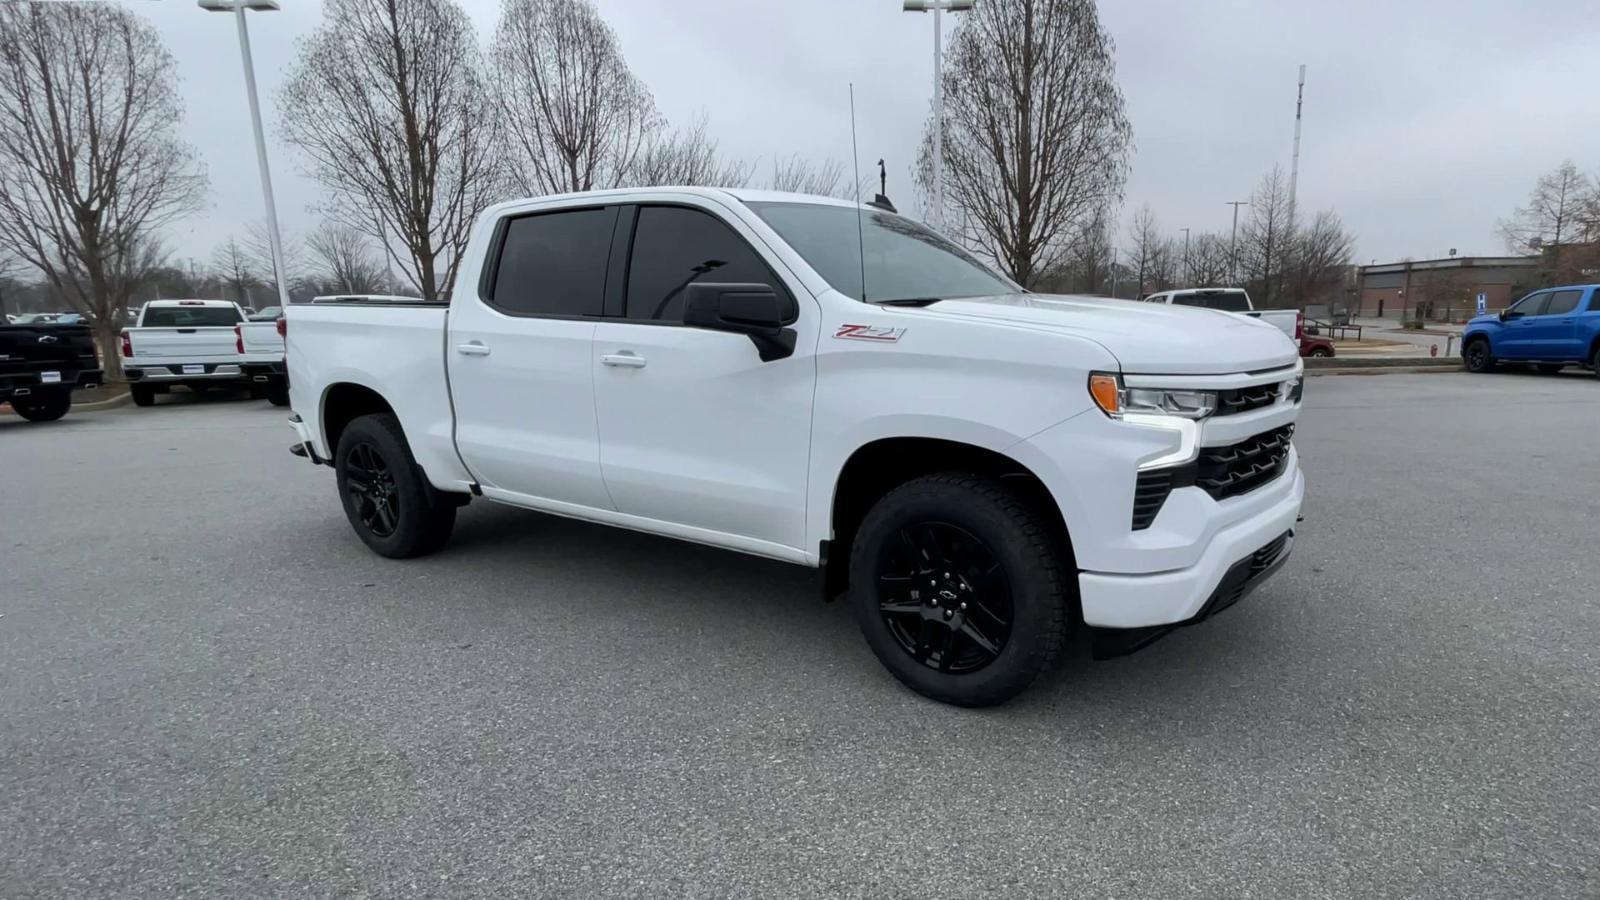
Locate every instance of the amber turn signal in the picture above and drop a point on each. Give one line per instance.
(1107, 392)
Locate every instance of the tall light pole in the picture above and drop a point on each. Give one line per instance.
(237, 7)
(938, 6)
(1186, 257)
(1233, 240)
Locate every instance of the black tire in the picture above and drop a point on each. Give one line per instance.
(278, 396)
(1550, 368)
(389, 503)
(1477, 356)
(46, 407)
(143, 394)
(1320, 353)
(1021, 607)
(1594, 361)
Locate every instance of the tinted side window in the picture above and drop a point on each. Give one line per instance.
(554, 264)
(1531, 305)
(1562, 302)
(673, 247)
(1188, 300)
(1232, 303)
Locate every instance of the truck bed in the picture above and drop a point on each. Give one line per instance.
(398, 347)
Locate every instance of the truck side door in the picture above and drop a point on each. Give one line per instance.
(695, 429)
(1515, 337)
(519, 358)
(1553, 333)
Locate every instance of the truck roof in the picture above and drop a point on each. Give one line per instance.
(744, 195)
(164, 303)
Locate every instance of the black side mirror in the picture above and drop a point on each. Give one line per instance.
(1507, 315)
(750, 309)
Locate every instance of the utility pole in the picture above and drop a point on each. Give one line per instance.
(237, 8)
(1294, 165)
(938, 7)
(1233, 241)
(1186, 257)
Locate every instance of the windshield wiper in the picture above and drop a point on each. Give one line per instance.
(908, 301)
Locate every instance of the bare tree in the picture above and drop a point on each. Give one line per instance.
(1145, 234)
(686, 156)
(802, 176)
(388, 102)
(577, 117)
(1319, 256)
(346, 262)
(90, 168)
(1035, 137)
(1554, 210)
(1265, 237)
(1208, 260)
(257, 245)
(234, 267)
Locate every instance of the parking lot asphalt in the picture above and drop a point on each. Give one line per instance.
(209, 687)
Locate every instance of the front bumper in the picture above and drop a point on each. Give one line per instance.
(1180, 595)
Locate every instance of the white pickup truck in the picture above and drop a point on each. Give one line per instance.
(191, 343)
(979, 469)
(1234, 300)
(260, 348)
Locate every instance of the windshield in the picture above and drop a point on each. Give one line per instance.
(903, 259)
(1228, 301)
(190, 316)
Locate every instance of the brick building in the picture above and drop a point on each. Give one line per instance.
(1443, 288)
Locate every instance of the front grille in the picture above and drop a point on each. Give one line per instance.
(1236, 469)
(1149, 494)
(1242, 400)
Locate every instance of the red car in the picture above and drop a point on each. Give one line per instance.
(1311, 345)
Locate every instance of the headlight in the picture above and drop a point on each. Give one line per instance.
(1294, 388)
(1116, 401)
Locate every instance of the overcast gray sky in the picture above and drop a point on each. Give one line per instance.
(1425, 122)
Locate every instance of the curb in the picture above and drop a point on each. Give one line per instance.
(120, 400)
(1389, 370)
(1381, 362)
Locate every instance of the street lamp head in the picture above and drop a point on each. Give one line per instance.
(229, 5)
(945, 5)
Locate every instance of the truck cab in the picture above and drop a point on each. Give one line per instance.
(1548, 329)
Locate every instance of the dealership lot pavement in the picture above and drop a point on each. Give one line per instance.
(209, 687)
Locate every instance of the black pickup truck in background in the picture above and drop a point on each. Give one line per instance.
(41, 365)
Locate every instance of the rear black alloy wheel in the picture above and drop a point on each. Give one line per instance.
(944, 597)
(372, 490)
(1478, 357)
(962, 587)
(389, 502)
(46, 406)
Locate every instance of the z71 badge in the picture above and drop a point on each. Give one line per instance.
(880, 333)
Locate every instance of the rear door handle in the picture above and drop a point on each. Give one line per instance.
(624, 359)
(473, 348)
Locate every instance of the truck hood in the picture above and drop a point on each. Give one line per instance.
(1154, 338)
(1485, 319)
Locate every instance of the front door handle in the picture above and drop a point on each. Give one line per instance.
(624, 359)
(473, 348)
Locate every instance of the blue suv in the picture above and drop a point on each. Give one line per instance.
(1549, 329)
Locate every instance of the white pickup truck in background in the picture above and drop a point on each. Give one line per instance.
(979, 469)
(1234, 300)
(260, 348)
(188, 343)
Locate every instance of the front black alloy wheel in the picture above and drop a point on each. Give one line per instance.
(962, 586)
(944, 597)
(1478, 357)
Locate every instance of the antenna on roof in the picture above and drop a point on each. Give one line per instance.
(855, 163)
